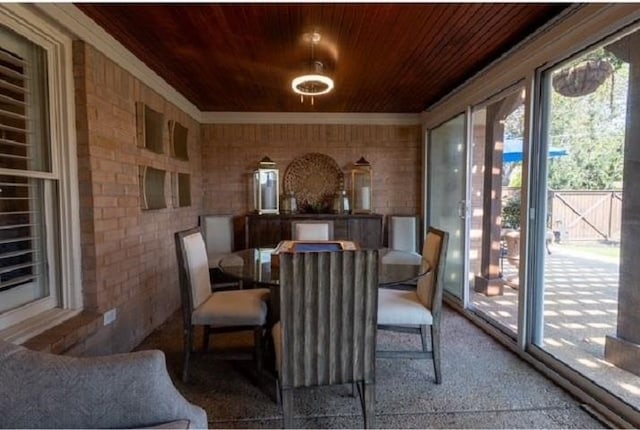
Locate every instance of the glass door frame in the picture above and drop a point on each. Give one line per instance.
(520, 85)
(461, 302)
(536, 229)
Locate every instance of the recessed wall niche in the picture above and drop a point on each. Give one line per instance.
(181, 189)
(149, 126)
(152, 188)
(178, 140)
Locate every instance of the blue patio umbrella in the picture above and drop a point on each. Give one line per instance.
(513, 151)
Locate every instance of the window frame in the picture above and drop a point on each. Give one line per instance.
(34, 318)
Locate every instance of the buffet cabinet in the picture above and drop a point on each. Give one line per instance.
(266, 231)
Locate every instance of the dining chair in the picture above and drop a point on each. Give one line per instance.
(312, 230)
(403, 240)
(327, 329)
(415, 310)
(217, 312)
(217, 231)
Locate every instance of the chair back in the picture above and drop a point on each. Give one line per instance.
(403, 233)
(217, 231)
(312, 230)
(434, 255)
(193, 269)
(328, 312)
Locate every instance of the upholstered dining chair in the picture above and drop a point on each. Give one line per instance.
(220, 311)
(415, 310)
(403, 240)
(327, 329)
(217, 231)
(312, 230)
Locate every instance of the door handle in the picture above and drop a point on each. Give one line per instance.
(462, 209)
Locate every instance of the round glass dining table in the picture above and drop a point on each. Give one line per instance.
(254, 266)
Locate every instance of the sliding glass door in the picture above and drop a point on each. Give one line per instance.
(497, 155)
(585, 310)
(539, 193)
(446, 202)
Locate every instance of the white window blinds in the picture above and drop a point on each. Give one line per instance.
(24, 191)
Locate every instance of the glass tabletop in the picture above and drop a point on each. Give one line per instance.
(254, 265)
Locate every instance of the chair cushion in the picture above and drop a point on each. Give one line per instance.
(198, 268)
(399, 307)
(218, 233)
(312, 231)
(402, 232)
(233, 308)
(178, 424)
(402, 257)
(229, 260)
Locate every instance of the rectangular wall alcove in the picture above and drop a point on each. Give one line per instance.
(149, 127)
(152, 188)
(178, 140)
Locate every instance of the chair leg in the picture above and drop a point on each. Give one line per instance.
(423, 337)
(435, 345)
(258, 347)
(188, 345)
(278, 396)
(287, 408)
(205, 340)
(369, 405)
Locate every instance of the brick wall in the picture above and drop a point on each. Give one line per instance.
(231, 152)
(128, 256)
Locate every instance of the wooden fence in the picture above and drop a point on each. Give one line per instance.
(583, 215)
(586, 215)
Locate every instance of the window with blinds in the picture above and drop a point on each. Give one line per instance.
(27, 185)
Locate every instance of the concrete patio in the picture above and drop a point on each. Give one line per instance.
(580, 309)
(484, 386)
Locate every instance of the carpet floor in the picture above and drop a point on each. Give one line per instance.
(484, 386)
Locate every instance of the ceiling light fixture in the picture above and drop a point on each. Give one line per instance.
(315, 83)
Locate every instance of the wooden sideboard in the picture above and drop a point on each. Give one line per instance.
(265, 231)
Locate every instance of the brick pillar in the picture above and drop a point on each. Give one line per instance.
(623, 349)
(490, 282)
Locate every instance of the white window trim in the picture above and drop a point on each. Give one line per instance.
(32, 320)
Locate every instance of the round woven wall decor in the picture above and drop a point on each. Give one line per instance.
(314, 179)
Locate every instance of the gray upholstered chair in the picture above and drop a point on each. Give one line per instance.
(327, 329)
(312, 230)
(417, 309)
(220, 311)
(403, 240)
(134, 390)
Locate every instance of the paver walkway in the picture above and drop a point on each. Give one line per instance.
(580, 309)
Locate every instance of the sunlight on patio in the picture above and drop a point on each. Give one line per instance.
(580, 309)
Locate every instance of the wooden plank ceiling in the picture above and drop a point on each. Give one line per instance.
(393, 58)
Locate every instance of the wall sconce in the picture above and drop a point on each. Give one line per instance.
(361, 192)
(266, 188)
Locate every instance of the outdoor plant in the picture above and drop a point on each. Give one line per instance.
(511, 212)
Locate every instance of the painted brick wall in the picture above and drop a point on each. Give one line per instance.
(129, 259)
(231, 152)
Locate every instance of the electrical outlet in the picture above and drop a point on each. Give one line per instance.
(110, 316)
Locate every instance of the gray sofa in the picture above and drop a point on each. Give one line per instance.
(134, 390)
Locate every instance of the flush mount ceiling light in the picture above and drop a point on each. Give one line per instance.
(315, 83)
